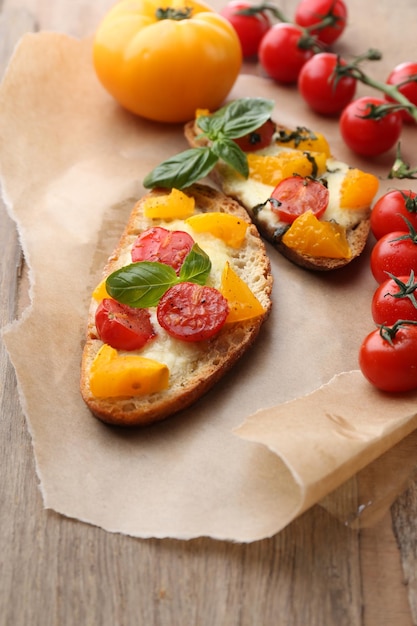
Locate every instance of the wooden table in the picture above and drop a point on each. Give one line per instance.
(316, 572)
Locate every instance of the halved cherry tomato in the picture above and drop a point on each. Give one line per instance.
(163, 245)
(123, 327)
(390, 209)
(257, 139)
(319, 88)
(295, 195)
(310, 12)
(395, 299)
(395, 253)
(404, 76)
(280, 52)
(388, 357)
(192, 312)
(367, 136)
(249, 28)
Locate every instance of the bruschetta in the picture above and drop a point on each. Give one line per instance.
(311, 207)
(183, 296)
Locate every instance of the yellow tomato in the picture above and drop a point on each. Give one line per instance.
(229, 228)
(358, 189)
(272, 169)
(114, 375)
(176, 204)
(164, 60)
(243, 304)
(309, 235)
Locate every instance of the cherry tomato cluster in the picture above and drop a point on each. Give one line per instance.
(388, 355)
(299, 52)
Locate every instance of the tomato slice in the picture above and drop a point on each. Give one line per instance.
(162, 245)
(257, 139)
(294, 196)
(192, 312)
(123, 327)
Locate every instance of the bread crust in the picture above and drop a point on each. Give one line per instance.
(357, 236)
(212, 358)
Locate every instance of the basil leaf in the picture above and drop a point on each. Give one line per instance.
(236, 119)
(246, 115)
(183, 169)
(141, 284)
(196, 266)
(230, 152)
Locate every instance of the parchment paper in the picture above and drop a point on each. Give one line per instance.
(290, 423)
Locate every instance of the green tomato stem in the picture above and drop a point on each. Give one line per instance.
(391, 91)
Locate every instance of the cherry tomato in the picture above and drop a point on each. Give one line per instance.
(310, 12)
(164, 246)
(123, 327)
(369, 137)
(390, 209)
(249, 28)
(280, 54)
(395, 253)
(399, 77)
(395, 299)
(318, 87)
(295, 195)
(388, 358)
(257, 139)
(192, 312)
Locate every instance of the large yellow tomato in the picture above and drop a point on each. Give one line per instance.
(163, 59)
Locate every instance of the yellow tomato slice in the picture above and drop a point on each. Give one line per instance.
(358, 189)
(306, 140)
(100, 292)
(175, 205)
(113, 375)
(229, 228)
(308, 235)
(272, 169)
(243, 304)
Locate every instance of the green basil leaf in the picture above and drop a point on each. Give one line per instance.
(236, 119)
(246, 115)
(141, 284)
(196, 266)
(183, 169)
(229, 151)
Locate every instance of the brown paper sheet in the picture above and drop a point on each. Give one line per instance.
(290, 423)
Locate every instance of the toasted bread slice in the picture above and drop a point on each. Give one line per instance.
(193, 367)
(253, 196)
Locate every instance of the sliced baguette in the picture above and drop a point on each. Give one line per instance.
(223, 176)
(201, 364)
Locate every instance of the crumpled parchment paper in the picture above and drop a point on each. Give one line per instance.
(290, 423)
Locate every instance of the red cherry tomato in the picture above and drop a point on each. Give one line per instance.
(295, 195)
(390, 209)
(280, 54)
(318, 87)
(369, 137)
(310, 12)
(400, 76)
(162, 245)
(395, 253)
(123, 327)
(257, 139)
(395, 299)
(388, 358)
(249, 28)
(192, 312)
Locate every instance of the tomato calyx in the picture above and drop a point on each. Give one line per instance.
(405, 290)
(410, 235)
(183, 13)
(410, 201)
(388, 333)
(401, 169)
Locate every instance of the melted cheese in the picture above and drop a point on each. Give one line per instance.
(252, 193)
